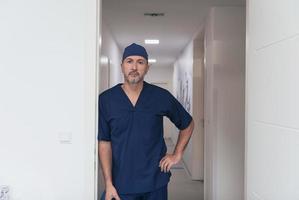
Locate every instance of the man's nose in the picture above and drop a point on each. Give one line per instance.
(134, 66)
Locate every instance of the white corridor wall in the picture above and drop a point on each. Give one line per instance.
(272, 100)
(182, 76)
(188, 89)
(113, 52)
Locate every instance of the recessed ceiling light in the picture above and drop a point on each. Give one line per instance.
(151, 41)
(152, 60)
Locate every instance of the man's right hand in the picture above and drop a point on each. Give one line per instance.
(111, 193)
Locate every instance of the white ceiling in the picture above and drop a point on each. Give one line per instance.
(183, 19)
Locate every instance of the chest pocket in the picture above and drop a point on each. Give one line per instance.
(120, 123)
(151, 125)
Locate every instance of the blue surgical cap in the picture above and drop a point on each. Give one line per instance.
(135, 50)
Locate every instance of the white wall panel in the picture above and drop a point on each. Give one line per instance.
(278, 19)
(273, 171)
(275, 84)
(272, 96)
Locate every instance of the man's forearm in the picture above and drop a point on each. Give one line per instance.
(105, 154)
(184, 137)
(170, 159)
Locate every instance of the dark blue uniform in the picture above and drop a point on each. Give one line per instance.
(136, 135)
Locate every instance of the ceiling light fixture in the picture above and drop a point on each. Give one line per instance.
(152, 60)
(151, 41)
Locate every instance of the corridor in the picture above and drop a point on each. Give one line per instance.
(181, 186)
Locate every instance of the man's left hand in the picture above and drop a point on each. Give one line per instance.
(168, 160)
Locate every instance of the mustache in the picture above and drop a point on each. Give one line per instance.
(133, 73)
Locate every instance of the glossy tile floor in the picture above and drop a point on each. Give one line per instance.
(180, 187)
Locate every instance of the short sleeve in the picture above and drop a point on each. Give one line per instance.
(103, 126)
(177, 113)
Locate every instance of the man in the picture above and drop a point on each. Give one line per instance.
(132, 150)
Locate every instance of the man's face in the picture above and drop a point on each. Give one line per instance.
(134, 69)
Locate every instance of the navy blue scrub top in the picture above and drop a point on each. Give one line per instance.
(136, 135)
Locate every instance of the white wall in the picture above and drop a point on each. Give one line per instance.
(188, 88)
(272, 111)
(183, 73)
(160, 75)
(113, 52)
(47, 83)
(198, 107)
(224, 103)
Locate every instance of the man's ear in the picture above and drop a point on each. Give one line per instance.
(121, 66)
(147, 68)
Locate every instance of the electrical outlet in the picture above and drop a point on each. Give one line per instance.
(4, 192)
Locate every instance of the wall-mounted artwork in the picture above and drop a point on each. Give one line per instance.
(184, 92)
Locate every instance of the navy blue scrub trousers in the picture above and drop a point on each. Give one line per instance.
(159, 194)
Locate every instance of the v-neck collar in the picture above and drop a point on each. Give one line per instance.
(139, 97)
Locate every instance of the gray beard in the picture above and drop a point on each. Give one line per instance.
(134, 80)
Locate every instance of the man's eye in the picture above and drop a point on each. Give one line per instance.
(129, 61)
(141, 62)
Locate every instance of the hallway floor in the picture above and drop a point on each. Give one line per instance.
(180, 187)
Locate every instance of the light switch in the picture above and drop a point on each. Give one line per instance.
(65, 137)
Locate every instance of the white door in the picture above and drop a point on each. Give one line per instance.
(272, 97)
